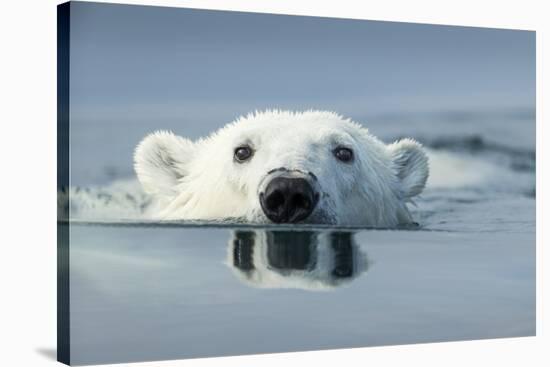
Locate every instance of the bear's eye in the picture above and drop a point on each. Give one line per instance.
(243, 153)
(343, 154)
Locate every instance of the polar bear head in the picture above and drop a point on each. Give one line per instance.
(283, 167)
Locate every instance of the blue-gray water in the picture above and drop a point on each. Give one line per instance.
(136, 69)
(144, 291)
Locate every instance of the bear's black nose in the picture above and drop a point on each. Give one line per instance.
(288, 199)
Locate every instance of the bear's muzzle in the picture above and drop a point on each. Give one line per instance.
(288, 198)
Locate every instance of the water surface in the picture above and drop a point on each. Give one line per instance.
(146, 293)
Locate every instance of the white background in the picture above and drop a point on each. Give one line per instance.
(28, 181)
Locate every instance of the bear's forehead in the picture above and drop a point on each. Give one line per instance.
(286, 135)
(318, 118)
(313, 126)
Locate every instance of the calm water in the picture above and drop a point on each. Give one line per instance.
(154, 292)
(143, 291)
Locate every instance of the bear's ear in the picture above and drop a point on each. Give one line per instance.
(411, 166)
(160, 161)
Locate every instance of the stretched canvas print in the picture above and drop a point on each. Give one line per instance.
(236, 183)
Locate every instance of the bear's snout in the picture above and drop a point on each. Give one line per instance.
(288, 199)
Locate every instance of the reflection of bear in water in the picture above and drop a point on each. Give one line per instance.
(291, 259)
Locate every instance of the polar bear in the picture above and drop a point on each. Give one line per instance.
(312, 167)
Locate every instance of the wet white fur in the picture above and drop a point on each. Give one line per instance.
(200, 180)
